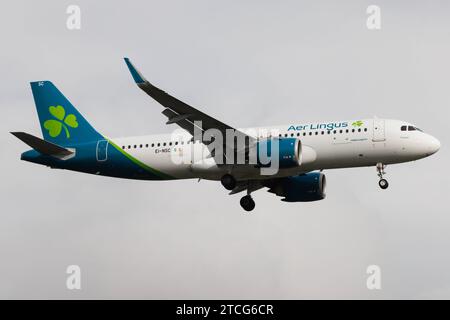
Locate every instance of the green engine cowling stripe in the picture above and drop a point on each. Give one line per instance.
(160, 174)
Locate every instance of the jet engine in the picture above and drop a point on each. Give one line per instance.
(289, 152)
(302, 188)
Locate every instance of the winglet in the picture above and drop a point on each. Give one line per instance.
(137, 76)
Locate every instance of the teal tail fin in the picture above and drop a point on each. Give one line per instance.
(61, 123)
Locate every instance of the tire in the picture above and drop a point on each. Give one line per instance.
(383, 184)
(228, 182)
(247, 203)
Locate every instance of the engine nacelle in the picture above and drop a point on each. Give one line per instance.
(301, 188)
(289, 152)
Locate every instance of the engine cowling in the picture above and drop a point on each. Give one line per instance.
(289, 152)
(302, 188)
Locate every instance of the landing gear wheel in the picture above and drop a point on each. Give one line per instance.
(383, 184)
(228, 182)
(247, 203)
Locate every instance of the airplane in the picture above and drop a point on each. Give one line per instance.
(304, 150)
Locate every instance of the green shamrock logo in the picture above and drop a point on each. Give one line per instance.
(358, 123)
(55, 127)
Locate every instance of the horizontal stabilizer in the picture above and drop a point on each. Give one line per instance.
(41, 145)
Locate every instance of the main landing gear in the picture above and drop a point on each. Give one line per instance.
(247, 203)
(228, 181)
(383, 182)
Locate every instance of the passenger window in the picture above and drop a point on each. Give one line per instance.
(322, 133)
(340, 131)
(316, 133)
(298, 134)
(159, 144)
(164, 144)
(328, 132)
(365, 129)
(310, 133)
(153, 145)
(140, 146)
(135, 146)
(304, 133)
(359, 130)
(353, 130)
(346, 130)
(129, 147)
(291, 135)
(334, 131)
(285, 135)
(403, 128)
(170, 143)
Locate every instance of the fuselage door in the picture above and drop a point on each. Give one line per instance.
(378, 130)
(102, 150)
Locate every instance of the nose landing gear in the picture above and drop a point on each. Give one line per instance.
(383, 182)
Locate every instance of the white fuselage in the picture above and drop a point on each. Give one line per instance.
(326, 145)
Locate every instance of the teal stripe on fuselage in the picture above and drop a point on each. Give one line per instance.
(118, 163)
(144, 168)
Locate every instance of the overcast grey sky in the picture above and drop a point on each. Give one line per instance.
(247, 63)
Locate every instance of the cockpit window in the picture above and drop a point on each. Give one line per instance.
(411, 128)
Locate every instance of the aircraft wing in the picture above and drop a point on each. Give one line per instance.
(179, 112)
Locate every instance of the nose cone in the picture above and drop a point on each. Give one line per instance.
(433, 145)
